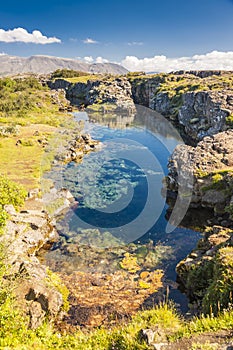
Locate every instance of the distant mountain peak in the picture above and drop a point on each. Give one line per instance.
(43, 64)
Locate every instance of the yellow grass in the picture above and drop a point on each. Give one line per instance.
(83, 79)
(23, 163)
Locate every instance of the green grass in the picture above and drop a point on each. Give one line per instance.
(27, 107)
(10, 193)
(124, 337)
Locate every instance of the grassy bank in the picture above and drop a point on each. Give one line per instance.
(169, 328)
(29, 118)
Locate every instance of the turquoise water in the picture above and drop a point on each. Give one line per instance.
(118, 188)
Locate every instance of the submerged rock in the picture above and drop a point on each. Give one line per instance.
(108, 284)
(100, 298)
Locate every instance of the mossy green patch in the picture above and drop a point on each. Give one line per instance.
(53, 280)
(229, 120)
(219, 294)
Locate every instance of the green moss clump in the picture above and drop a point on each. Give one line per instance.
(229, 120)
(54, 281)
(199, 277)
(217, 177)
(219, 295)
(55, 205)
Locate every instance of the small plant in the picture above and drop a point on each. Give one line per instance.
(216, 178)
(219, 293)
(229, 120)
(54, 280)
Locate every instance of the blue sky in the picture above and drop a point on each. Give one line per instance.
(116, 29)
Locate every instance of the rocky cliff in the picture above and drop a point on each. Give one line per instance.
(108, 90)
(201, 102)
(211, 164)
(206, 273)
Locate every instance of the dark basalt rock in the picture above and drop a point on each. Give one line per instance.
(211, 165)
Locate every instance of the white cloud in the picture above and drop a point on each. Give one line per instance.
(135, 43)
(101, 60)
(88, 59)
(22, 35)
(90, 41)
(212, 60)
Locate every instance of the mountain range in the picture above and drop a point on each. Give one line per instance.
(11, 65)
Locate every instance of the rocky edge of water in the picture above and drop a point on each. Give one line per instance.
(201, 113)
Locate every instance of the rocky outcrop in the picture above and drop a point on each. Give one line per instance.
(25, 233)
(204, 113)
(144, 89)
(76, 147)
(59, 98)
(199, 101)
(114, 91)
(211, 164)
(202, 73)
(201, 113)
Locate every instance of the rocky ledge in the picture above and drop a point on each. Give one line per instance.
(73, 149)
(106, 90)
(207, 171)
(41, 293)
(205, 113)
(201, 103)
(25, 233)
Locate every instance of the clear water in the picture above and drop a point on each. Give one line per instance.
(118, 188)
